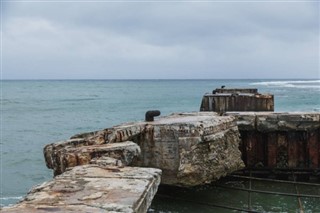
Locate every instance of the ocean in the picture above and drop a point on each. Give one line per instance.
(37, 112)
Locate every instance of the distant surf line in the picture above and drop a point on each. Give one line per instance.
(293, 84)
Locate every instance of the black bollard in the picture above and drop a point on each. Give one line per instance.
(151, 114)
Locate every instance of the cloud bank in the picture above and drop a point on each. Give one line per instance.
(160, 40)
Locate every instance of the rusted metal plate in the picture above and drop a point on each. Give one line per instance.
(243, 145)
(235, 99)
(242, 102)
(282, 150)
(290, 140)
(251, 149)
(261, 157)
(270, 104)
(272, 149)
(313, 149)
(279, 140)
(205, 104)
(318, 147)
(276, 149)
(293, 147)
(302, 149)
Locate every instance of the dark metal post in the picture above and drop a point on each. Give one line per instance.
(151, 114)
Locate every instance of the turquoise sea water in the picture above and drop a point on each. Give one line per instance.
(37, 112)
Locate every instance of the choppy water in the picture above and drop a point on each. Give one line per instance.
(35, 113)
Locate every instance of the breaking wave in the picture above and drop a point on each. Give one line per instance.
(292, 84)
(11, 198)
(9, 201)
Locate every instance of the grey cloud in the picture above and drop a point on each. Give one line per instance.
(161, 40)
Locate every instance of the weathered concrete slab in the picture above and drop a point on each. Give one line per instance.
(190, 148)
(59, 157)
(93, 188)
(270, 121)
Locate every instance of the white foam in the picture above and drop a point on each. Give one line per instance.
(293, 84)
(10, 198)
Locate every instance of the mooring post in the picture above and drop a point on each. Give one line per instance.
(151, 114)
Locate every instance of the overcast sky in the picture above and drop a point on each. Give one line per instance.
(160, 40)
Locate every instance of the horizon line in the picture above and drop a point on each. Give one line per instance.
(125, 79)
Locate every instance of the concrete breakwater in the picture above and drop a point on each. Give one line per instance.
(118, 169)
(189, 148)
(109, 170)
